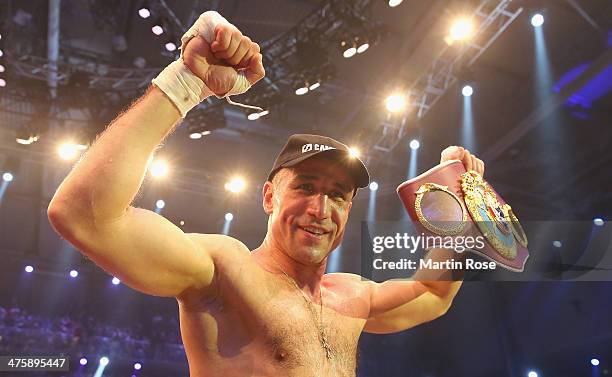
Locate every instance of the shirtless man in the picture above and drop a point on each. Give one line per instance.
(267, 312)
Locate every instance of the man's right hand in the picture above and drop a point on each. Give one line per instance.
(217, 63)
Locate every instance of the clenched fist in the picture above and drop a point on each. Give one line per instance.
(217, 63)
(470, 161)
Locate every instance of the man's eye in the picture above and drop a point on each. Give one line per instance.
(305, 187)
(338, 195)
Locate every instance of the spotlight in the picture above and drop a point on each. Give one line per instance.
(144, 10)
(170, 46)
(1, 53)
(354, 152)
(373, 186)
(594, 362)
(104, 361)
(74, 273)
(314, 86)
(461, 29)
(7, 177)
(115, 281)
(537, 20)
(598, 221)
(236, 185)
(195, 135)
(29, 268)
(158, 28)
(467, 90)
(349, 50)
(83, 361)
(229, 216)
(532, 374)
(68, 151)
(264, 113)
(395, 102)
(557, 243)
(1, 68)
(159, 168)
(182, 222)
(253, 115)
(414, 144)
(2, 83)
(394, 3)
(137, 366)
(301, 88)
(362, 46)
(160, 204)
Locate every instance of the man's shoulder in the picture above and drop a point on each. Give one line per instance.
(218, 243)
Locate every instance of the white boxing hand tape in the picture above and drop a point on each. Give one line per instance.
(183, 88)
(205, 27)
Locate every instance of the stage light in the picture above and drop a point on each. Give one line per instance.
(363, 47)
(104, 361)
(532, 374)
(157, 28)
(181, 223)
(598, 221)
(137, 366)
(348, 48)
(235, 185)
(170, 46)
(68, 151)
(461, 29)
(314, 86)
(29, 268)
(144, 11)
(394, 3)
(537, 20)
(159, 168)
(414, 144)
(354, 152)
(594, 362)
(557, 243)
(160, 204)
(467, 90)
(264, 113)
(1, 68)
(83, 361)
(74, 273)
(373, 186)
(395, 102)
(25, 138)
(301, 89)
(2, 83)
(1, 53)
(195, 135)
(7, 177)
(229, 216)
(115, 281)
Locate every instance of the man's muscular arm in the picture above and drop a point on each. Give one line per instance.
(92, 210)
(398, 305)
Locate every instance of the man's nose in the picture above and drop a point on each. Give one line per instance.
(319, 206)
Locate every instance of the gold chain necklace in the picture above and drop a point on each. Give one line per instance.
(322, 337)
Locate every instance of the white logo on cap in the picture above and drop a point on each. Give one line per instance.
(317, 147)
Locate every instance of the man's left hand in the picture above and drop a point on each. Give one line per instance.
(470, 161)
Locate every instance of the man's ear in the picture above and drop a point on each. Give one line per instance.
(267, 194)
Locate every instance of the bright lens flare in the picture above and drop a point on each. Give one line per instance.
(159, 168)
(68, 151)
(236, 185)
(354, 152)
(462, 29)
(395, 103)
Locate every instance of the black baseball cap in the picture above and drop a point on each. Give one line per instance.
(301, 147)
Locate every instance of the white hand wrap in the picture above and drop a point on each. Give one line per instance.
(184, 88)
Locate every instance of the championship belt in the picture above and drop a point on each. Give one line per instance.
(447, 200)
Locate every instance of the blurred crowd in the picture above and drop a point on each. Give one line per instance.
(25, 333)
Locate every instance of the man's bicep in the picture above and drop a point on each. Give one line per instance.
(398, 305)
(150, 254)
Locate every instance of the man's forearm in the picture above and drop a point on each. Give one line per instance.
(444, 283)
(103, 184)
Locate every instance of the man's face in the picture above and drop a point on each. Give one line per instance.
(309, 206)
